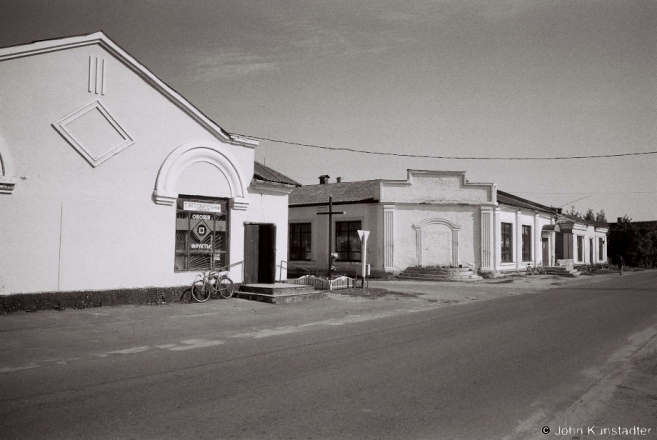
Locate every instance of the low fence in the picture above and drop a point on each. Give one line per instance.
(341, 282)
(569, 263)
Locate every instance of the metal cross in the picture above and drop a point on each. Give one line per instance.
(330, 221)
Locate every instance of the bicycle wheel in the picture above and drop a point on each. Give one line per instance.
(225, 287)
(201, 291)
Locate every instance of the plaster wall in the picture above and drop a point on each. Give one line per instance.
(68, 225)
(589, 233)
(518, 218)
(467, 218)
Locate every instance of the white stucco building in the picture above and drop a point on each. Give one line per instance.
(435, 218)
(110, 179)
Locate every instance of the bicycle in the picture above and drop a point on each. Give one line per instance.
(212, 284)
(537, 269)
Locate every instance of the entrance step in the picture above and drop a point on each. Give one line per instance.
(562, 271)
(439, 274)
(280, 293)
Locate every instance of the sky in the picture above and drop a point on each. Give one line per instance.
(457, 78)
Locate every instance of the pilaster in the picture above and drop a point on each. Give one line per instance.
(388, 237)
(518, 244)
(487, 240)
(537, 247)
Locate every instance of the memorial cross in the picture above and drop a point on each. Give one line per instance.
(330, 221)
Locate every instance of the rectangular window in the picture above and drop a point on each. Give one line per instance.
(507, 242)
(300, 240)
(526, 243)
(347, 242)
(201, 234)
(601, 245)
(580, 248)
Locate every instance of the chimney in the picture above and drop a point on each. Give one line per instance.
(619, 219)
(338, 180)
(323, 180)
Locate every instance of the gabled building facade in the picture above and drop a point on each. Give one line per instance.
(433, 218)
(110, 179)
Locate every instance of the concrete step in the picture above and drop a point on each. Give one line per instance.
(280, 293)
(437, 276)
(437, 269)
(276, 289)
(562, 271)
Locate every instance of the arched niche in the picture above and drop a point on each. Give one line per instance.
(212, 153)
(420, 238)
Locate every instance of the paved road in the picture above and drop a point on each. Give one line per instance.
(392, 368)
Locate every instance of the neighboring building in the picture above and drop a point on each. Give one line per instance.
(435, 218)
(112, 180)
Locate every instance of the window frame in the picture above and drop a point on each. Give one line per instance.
(526, 243)
(350, 252)
(188, 252)
(507, 251)
(301, 233)
(580, 248)
(601, 244)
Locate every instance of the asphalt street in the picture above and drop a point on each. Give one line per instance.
(399, 366)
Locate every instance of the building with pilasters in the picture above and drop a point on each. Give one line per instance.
(435, 219)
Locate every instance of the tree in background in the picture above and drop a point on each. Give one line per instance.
(637, 245)
(589, 216)
(601, 217)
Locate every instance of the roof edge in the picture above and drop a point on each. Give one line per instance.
(100, 38)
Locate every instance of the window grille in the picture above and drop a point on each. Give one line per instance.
(507, 242)
(526, 243)
(201, 234)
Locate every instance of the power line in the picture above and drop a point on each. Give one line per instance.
(591, 193)
(353, 150)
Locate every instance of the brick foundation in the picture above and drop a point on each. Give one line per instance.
(31, 302)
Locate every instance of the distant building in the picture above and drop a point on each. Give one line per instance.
(111, 180)
(435, 218)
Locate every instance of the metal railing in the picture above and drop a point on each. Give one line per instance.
(287, 263)
(223, 268)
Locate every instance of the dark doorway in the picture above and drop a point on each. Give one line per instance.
(546, 251)
(259, 253)
(563, 246)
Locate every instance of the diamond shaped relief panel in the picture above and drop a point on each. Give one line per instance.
(94, 133)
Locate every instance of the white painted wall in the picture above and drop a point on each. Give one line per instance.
(70, 226)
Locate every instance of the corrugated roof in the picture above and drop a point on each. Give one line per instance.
(509, 199)
(343, 192)
(263, 172)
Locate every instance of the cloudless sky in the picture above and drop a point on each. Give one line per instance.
(471, 78)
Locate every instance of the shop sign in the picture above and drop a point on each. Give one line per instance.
(200, 206)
